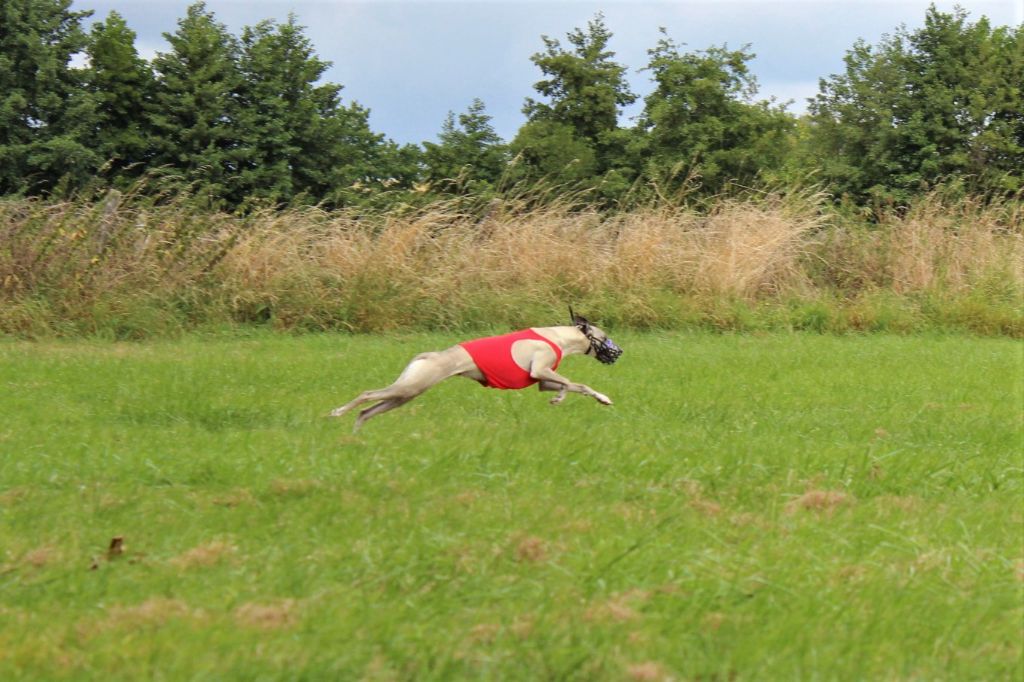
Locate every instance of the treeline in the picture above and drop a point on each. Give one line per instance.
(245, 120)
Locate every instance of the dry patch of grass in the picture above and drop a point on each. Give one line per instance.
(619, 608)
(152, 613)
(294, 488)
(708, 508)
(41, 556)
(206, 554)
(233, 498)
(35, 558)
(821, 501)
(634, 513)
(283, 613)
(648, 671)
(13, 496)
(853, 573)
(531, 550)
(483, 633)
(155, 610)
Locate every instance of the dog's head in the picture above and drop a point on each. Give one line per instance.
(604, 348)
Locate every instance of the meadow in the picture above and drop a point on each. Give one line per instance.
(756, 506)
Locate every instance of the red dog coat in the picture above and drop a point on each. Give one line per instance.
(493, 356)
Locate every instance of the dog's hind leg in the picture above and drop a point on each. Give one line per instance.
(425, 370)
(379, 408)
(365, 396)
(400, 388)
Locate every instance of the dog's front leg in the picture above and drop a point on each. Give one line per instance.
(553, 386)
(550, 376)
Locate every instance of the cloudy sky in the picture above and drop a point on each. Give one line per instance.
(412, 61)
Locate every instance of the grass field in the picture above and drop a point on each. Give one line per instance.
(752, 507)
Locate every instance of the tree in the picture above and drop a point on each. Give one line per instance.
(586, 92)
(44, 112)
(552, 151)
(469, 150)
(280, 111)
(121, 85)
(296, 138)
(353, 162)
(940, 103)
(701, 118)
(585, 88)
(194, 118)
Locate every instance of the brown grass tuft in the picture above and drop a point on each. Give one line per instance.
(826, 501)
(619, 608)
(272, 616)
(706, 507)
(40, 556)
(484, 633)
(852, 573)
(13, 496)
(531, 550)
(648, 671)
(467, 497)
(714, 620)
(207, 554)
(522, 627)
(632, 512)
(294, 488)
(233, 498)
(155, 611)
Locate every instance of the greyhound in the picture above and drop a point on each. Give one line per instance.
(510, 361)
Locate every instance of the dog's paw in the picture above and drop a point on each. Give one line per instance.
(337, 412)
(602, 398)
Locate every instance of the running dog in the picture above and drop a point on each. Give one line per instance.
(510, 361)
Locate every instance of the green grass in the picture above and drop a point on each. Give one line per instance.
(752, 507)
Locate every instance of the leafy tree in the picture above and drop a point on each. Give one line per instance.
(585, 88)
(469, 150)
(936, 104)
(121, 85)
(194, 118)
(573, 134)
(43, 110)
(552, 150)
(701, 118)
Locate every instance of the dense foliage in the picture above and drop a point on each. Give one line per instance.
(247, 120)
(940, 103)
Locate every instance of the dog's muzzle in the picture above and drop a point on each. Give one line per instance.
(606, 351)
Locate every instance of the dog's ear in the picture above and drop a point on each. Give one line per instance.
(579, 321)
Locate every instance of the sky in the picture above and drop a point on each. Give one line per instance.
(410, 62)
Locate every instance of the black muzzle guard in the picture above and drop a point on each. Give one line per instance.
(606, 351)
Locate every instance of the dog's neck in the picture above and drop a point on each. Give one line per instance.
(569, 338)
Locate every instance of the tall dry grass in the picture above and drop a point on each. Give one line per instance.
(130, 268)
